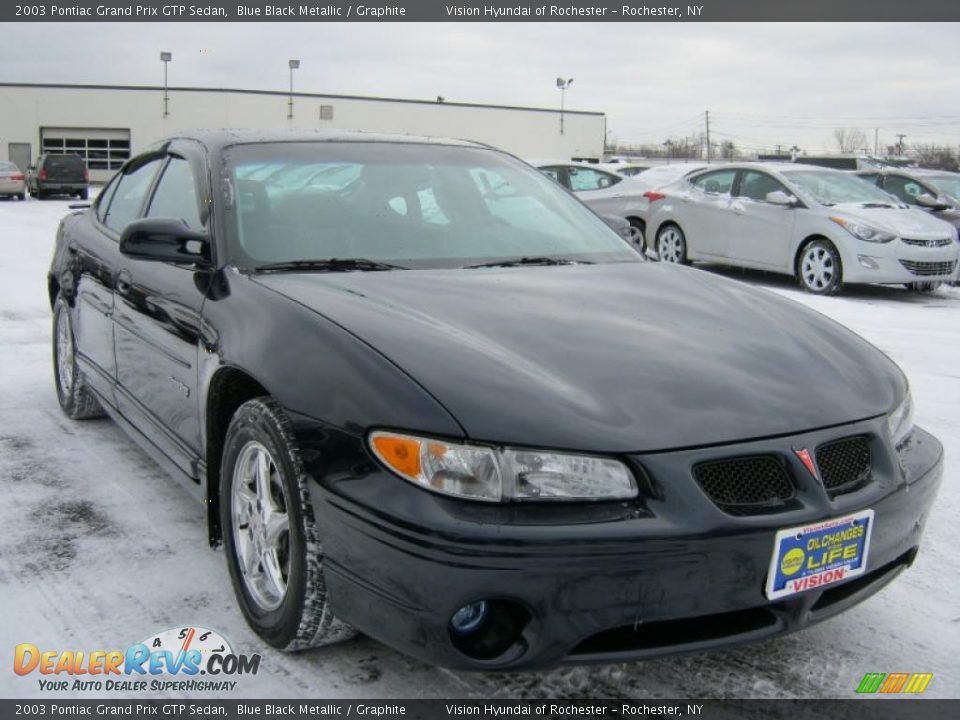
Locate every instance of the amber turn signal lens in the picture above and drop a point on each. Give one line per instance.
(402, 454)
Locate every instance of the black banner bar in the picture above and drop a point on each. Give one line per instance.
(879, 708)
(479, 11)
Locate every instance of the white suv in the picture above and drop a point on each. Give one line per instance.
(822, 226)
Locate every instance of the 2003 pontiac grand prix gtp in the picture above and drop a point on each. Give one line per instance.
(430, 396)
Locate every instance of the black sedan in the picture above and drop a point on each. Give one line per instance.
(428, 395)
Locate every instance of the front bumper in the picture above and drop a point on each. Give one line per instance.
(900, 263)
(602, 582)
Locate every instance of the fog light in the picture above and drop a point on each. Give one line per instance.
(470, 618)
(868, 262)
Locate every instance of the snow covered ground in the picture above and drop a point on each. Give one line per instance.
(99, 549)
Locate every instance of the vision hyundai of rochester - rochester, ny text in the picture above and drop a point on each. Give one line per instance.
(825, 227)
(432, 397)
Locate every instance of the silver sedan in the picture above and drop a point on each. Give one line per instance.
(12, 181)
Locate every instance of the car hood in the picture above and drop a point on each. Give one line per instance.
(627, 357)
(902, 222)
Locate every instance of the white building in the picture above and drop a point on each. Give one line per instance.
(106, 124)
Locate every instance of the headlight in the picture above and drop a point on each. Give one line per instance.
(479, 472)
(900, 421)
(864, 232)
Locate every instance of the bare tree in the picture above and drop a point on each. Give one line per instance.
(931, 155)
(850, 140)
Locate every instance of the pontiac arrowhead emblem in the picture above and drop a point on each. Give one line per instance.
(807, 461)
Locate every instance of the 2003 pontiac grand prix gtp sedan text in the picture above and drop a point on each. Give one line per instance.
(428, 395)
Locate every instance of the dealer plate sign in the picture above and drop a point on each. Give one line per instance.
(809, 557)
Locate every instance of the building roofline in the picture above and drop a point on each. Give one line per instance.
(282, 93)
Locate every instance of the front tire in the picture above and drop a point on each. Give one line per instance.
(819, 269)
(270, 535)
(76, 400)
(671, 244)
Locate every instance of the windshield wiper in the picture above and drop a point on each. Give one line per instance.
(533, 260)
(327, 265)
(871, 205)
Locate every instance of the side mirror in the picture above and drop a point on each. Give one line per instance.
(927, 200)
(165, 240)
(779, 197)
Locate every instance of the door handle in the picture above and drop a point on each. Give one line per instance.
(123, 281)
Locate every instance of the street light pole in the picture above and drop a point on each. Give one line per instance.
(563, 85)
(165, 58)
(294, 64)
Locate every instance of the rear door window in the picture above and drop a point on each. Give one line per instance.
(717, 182)
(589, 179)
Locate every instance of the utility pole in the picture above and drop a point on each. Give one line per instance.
(563, 85)
(900, 137)
(706, 115)
(876, 142)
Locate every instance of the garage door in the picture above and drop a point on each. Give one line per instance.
(103, 149)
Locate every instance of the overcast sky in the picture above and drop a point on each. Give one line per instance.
(764, 84)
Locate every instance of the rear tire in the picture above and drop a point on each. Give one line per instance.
(22, 196)
(270, 535)
(83, 194)
(76, 400)
(819, 269)
(671, 244)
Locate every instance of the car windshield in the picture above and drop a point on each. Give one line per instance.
(950, 184)
(405, 205)
(832, 188)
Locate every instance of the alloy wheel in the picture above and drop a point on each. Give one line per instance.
(818, 268)
(261, 525)
(670, 245)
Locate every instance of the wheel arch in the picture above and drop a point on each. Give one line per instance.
(228, 389)
(801, 246)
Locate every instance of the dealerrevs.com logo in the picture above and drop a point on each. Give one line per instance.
(179, 660)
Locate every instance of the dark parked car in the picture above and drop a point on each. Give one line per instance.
(436, 399)
(58, 175)
(937, 191)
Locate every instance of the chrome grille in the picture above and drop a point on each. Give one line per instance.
(938, 242)
(930, 268)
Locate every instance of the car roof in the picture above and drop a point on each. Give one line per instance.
(538, 163)
(918, 172)
(218, 138)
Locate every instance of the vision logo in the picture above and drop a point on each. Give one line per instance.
(893, 683)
